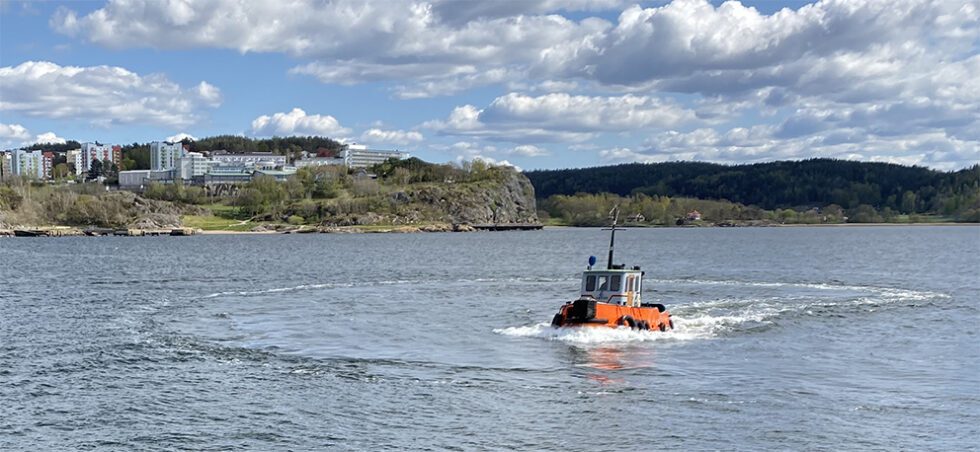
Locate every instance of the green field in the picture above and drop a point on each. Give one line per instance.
(222, 218)
(213, 223)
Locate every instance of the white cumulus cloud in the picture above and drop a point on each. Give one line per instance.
(561, 111)
(529, 150)
(209, 94)
(18, 135)
(398, 137)
(296, 123)
(446, 46)
(180, 137)
(12, 132)
(823, 76)
(101, 95)
(49, 138)
(561, 117)
(761, 144)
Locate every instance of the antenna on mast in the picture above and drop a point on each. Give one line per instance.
(614, 216)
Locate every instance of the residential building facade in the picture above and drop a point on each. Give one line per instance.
(90, 153)
(47, 162)
(28, 163)
(164, 155)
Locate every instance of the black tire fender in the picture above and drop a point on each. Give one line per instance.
(557, 320)
(627, 320)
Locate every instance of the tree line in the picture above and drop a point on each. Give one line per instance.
(584, 209)
(290, 146)
(888, 189)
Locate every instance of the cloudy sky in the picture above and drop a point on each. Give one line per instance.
(538, 84)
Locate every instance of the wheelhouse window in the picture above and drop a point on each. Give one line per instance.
(590, 283)
(603, 283)
(615, 282)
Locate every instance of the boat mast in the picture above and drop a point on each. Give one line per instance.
(614, 214)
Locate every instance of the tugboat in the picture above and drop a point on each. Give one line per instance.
(611, 297)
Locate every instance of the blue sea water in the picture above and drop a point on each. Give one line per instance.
(787, 338)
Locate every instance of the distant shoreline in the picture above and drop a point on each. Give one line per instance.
(877, 224)
(238, 232)
(774, 225)
(403, 230)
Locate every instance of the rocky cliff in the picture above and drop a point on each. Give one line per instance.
(26, 206)
(507, 199)
(500, 195)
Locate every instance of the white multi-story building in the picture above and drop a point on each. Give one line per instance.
(90, 153)
(27, 163)
(359, 156)
(192, 164)
(164, 155)
(258, 159)
(318, 161)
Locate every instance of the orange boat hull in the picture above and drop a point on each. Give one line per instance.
(587, 312)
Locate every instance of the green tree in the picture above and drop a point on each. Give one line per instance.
(401, 176)
(95, 170)
(864, 214)
(127, 164)
(888, 215)
(262, 194)
(908, 202)
(60, 171)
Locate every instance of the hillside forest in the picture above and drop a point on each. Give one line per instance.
(809, 191)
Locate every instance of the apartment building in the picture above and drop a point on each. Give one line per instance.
(90, 153)
(164, 155)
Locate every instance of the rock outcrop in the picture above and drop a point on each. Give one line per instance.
(115, 209)
(508, 200)
(504, 196)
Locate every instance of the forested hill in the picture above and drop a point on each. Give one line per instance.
(276, 145)
(787, 184)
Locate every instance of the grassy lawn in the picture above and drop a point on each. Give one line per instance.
(213, 223)
(226, 211)
(554, 222)
(922, 219)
